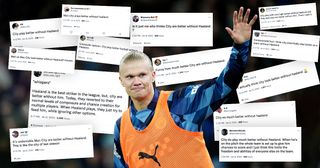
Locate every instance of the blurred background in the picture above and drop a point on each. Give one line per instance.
(15, 85)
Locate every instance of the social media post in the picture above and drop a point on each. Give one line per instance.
(289, 46)
(85, 97)
(189, 67)
(107, 50)
(94, 20)
(276, 80)
(171, 29)
(260, 144)
(266, 114)
(37, 59)
(63, 142)
(40, 33)
(285, 16)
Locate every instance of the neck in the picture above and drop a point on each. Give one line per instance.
(143, 103)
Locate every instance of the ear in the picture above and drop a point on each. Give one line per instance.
(153, 76)
(121, 81)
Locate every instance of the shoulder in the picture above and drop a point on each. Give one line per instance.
(117, 125)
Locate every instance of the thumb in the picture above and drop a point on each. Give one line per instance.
(229, 31)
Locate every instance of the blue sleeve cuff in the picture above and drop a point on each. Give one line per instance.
(242, 46)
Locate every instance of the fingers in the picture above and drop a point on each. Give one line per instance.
(253, 20)
(246, 16)
(229, 31)
(235, 17)
(240, 15)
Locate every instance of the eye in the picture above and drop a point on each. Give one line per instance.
(142, 75)
(129, 77)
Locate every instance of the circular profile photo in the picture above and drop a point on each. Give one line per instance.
(157, 62)
(135, 18)
(37, 73)
(82, 37)
(262, 10)
(256, 34)
(66, 9)
(15, 26)
(13, 50)
(15, 134)
(224, 132)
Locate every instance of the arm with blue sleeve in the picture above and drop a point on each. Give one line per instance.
(191, 105)
(118, 161)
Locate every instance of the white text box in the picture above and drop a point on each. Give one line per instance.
(94, 20)
(190, 67)
(285, 46)
(85, 97)
(104, 49)
(266, 114)
(277, 80)
(285, 16)
(171, 29)
(36, 59)
(260, 144)
(65, 142)
(41, 33)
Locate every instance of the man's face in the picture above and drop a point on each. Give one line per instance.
(137, 78)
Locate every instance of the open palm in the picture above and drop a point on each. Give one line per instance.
(241, 31)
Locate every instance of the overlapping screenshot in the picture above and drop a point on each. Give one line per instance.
(276, 80)
(68, 99)
(285, 16)
(40, 33)
(65, 142)
(171, 29)
(190, 67)
(263, 114)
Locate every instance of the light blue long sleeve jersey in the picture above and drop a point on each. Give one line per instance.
(191, 105)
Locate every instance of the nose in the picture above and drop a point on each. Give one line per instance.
(136, 81)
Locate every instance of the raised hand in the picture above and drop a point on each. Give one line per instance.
(241, 31)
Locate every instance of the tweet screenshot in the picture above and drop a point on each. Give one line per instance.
(285, 16)
(85, 97)
(264, 114)
(285, 46)
(48, 143)
(190, 67)
(94, 20)
(40, 33)
(103, 49)
(260, 144)
(171, 29)
(37, 59)
(276, 80)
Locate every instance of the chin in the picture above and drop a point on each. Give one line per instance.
(138, 96)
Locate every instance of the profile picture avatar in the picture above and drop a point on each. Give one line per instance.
(37, 73)
(135, 18)
(15, 26)
(15, 134)
(262, 10)
(256, 34)
(66, 9)
(157, 62)
(82, 37)
(13, 50)
(224, 132)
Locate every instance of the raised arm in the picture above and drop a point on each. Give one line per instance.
(241, 31)
(194, 104)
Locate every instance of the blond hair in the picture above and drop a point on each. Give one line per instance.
(135, 56)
